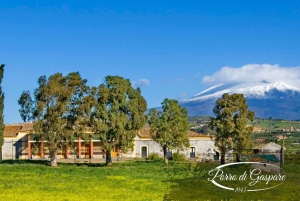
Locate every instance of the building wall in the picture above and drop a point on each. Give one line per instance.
(152, 147)
(269, 167)
(203, 147)
(270, 147)
(8, 151)
(15, 148)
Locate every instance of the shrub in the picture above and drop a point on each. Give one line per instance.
(138, 159)
(178, 157)
(154, 157)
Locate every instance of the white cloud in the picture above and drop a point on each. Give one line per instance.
(253, 73)
(140, 83)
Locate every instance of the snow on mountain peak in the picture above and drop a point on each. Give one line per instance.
(250, 90)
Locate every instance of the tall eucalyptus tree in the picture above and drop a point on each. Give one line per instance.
(60, 108)
(230, 123)
(118, 114)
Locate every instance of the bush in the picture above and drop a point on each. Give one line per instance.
(138, 159)
(154, 157)
(178, 157)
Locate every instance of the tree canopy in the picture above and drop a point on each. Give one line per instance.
(58, 109)
(230, 123)
(26, 103)
(118, 114)
(169, 128)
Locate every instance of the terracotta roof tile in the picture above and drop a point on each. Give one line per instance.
(27, 126)
(194, 134)
(11, 130)
(145, 133)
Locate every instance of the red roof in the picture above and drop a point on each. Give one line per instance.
(145, 133)
(11, 130)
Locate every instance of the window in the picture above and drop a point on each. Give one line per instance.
(192, 152)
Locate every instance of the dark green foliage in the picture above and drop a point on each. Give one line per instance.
(119, 113)
(230, 123)
(1, 106)
(154, 157)
(292, 159)
(61, 108)
(170, 127)
(178, 157)
(26, 103)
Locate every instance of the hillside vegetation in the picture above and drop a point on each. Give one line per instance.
(283, 132)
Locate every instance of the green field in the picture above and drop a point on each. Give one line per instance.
(274, 124)
(266, 124)
(34, 180)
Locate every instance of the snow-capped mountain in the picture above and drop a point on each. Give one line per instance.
(261, 91)
(277, 100)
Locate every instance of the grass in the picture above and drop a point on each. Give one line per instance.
(35, 180)
(199, 188)
(273, 124)
(26, 180)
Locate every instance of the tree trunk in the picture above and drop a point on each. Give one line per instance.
(108, 157)
(222, 158)
(237, 157)
(53, 159)
(166, 160)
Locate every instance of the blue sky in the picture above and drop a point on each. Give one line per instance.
(165, 47)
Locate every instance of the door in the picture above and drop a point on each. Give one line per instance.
(144, 152)
(216, 157)
(169, 154)
(192, 152)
